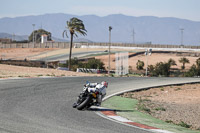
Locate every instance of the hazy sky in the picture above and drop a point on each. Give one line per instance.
(186, 9)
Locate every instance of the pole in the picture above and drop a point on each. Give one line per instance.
(133, 36)
(33, 36)
(146, 54)
(110, 28)
(182, 36)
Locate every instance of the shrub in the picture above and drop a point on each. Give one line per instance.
(139, 65)
(162, 89)
(95, 64)
(160, 108)
(142, 107)
(177, 89)
(169, 121)
(172, 62)
(91, 64)
(194, 70)
(161, 69)
(183, 124)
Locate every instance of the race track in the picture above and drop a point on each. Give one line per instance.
(45, 105)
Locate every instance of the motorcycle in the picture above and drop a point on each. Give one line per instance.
(88, 97)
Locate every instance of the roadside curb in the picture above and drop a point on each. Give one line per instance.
(112, 115)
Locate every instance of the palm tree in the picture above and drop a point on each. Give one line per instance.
(184, 61)
(172, 62)
(198, 62)
(74, 26)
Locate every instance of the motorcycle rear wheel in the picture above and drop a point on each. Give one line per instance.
(84, 103)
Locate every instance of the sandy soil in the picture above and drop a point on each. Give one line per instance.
(174, 104)
(7, 71)
(22, 53)
(33, 53)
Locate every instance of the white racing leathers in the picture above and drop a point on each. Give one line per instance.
(100, 88)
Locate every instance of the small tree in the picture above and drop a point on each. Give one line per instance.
(184, 61)
(151, 70)
(160, 69)
(198, 62)
(139, 65)
(172, 62)
(194, 69)
(95, 64)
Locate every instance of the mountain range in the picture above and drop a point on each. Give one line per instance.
(126, 29)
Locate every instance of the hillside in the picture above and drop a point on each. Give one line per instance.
(147, 28)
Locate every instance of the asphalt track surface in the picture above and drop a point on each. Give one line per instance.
(66, 56)
(45, 105)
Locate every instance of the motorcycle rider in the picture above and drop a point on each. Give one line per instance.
(102, 91)
(100, 87)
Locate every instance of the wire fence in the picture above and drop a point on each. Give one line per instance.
(77, 45)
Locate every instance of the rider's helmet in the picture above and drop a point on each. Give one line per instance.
(104, 83)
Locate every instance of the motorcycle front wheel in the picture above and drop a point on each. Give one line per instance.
(84, 103)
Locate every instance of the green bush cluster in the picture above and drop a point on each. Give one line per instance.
(90, 64)
(194, 69)
(183, 124)
(161, 68)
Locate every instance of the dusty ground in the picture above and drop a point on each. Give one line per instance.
(33, 53)
(7, 71)
(22, 53)
(174, 104)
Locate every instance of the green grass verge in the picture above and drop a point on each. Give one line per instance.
(127, 108)
(99, 54)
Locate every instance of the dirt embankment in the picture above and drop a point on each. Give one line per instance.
(174, 104)
(33, 53)
(7, 71)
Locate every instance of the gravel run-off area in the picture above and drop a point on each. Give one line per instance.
(173, 104)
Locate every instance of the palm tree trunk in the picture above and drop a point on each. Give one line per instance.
(70, 53)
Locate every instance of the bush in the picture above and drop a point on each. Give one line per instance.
(91, 64)
(139, 65)
(194, 69)
(160, 69)
(184, 124)
(142, 107)
(160, 109)
(95, 64)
